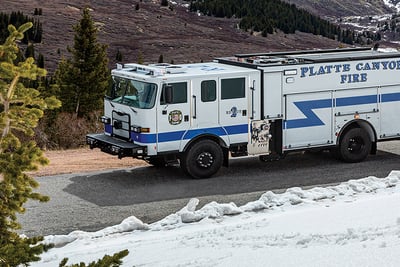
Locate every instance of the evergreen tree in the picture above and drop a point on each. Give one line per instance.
(34, 34)
(266, 16)
(164, 2)
(118, 56)
(30, 51)
(83, 79)
(140, 59)
(20, 110)
(111, 261)
(40, 61)
(161, 59)
(37, 12)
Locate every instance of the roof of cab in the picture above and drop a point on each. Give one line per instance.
(181, 70)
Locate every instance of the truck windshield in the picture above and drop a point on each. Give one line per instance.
(133, 93)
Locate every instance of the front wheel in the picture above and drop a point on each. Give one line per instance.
(203, 159)
(354, 146)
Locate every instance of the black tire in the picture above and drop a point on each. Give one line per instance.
(203, 159)
(158, 162)
(355, 146)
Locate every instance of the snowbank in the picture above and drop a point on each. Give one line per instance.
(356, 223)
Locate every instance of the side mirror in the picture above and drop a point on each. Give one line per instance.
(112, 89)
(168, 94)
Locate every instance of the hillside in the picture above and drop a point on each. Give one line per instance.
(152, 30)
(342, 8)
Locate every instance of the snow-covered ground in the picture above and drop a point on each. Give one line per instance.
(390, 4)
(356, 223)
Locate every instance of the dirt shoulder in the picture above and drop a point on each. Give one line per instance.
(83, 160)
(86, 160)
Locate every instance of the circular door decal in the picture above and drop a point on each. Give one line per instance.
(175, 117)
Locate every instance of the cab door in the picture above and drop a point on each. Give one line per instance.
(233, 109)
(205, 105)
(173, 118)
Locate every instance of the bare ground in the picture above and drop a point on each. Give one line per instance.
(83, 160)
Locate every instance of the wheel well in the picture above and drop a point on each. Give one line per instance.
(199, 138)
(360, 124)
(213, 138)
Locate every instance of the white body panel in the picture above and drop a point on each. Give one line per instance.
(273, 95)
(389, 110)
(314, 130)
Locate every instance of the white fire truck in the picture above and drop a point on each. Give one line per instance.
(344, 100)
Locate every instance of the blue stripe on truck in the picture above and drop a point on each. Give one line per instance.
(311, 119)
(188, 134)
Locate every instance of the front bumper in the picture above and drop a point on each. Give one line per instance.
(115, 146)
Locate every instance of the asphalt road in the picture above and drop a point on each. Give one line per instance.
(92, 201)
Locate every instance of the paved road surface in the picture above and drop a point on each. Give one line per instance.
(93, 201)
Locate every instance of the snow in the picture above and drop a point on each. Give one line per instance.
(391, 5)
(355, 223)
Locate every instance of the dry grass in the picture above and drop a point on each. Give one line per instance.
(83, 160)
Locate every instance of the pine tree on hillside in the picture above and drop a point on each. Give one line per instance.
(267, 16)
(83, 78)
(34, 34)
(140, 59)
(30, 51)
(164, 2)
(20, 110)
(40, 61)
(161, 59)
(118, 56)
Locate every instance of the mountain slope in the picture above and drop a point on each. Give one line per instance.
(340, 8)
(151, 31)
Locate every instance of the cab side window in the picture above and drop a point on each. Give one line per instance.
(208, 91)
(233, 88)
(179, 93)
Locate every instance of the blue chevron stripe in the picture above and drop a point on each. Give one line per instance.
(311, 119)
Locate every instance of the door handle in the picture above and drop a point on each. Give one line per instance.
(194, 107)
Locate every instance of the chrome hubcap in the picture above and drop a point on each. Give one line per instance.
(205, 160)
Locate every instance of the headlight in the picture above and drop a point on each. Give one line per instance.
(105, 120)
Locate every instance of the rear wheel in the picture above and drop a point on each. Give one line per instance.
(203, 159)
(354, 146)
